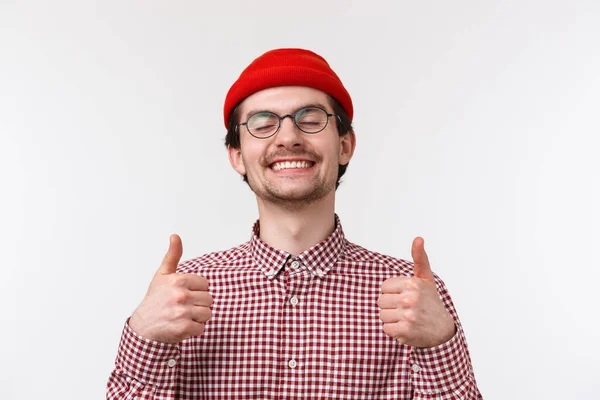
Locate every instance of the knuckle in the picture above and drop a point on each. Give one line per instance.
(410, 316)
(178, 280)
(414, 283)
(181, 297)
(407, 301)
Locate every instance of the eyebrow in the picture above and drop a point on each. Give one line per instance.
(260, 110)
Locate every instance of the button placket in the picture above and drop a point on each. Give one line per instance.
(294, 337)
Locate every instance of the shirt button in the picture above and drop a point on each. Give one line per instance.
(294, 300)
(415, 368)
(295, 264)
(292, 363)
(172, 362)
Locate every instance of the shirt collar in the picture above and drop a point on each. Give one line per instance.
(319, 259)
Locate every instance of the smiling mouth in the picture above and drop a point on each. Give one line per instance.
(278, 166)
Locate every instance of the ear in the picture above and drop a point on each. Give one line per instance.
(347, 146)
(236, 160)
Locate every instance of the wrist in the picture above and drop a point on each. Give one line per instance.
(136, 325)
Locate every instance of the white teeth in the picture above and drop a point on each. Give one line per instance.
(291, 164)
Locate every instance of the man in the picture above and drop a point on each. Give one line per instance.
(298, 311)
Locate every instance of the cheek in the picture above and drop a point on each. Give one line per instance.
(252, 154)
(335, 150)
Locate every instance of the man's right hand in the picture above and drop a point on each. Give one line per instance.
(176, 306)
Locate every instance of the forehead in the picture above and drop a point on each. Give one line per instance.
(282, 100)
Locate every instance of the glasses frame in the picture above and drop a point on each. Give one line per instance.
(292, 116)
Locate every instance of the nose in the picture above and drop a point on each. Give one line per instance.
(289, 135)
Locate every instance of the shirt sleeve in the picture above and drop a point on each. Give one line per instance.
(144, 369)
(444, 372)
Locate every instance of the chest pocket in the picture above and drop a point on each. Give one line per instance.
(361, 376)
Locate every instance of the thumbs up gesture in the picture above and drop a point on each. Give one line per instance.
(411, 309)
(176, 306)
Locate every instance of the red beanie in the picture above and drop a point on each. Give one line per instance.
(287, 67)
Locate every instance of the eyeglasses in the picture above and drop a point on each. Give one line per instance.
(265, 124)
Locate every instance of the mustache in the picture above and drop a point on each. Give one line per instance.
(301, 153)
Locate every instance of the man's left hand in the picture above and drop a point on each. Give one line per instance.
(411, 309)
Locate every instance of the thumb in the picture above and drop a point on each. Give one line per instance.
(421, 261)
(171, 260)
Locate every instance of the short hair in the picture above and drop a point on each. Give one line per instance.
(343, 124)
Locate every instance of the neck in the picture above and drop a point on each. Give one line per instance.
(298, 229)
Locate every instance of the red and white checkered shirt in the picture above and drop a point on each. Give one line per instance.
(299, 327)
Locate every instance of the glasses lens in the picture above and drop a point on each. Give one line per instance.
(263, 124)
(311, 119)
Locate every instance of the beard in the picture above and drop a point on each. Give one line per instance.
(291, 195)
(292, 198)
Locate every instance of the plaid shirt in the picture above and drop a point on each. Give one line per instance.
(299, 327)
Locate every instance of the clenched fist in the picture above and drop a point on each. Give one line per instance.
(176, 306)
(411, 309)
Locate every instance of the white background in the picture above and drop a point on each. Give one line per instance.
(477, 126)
